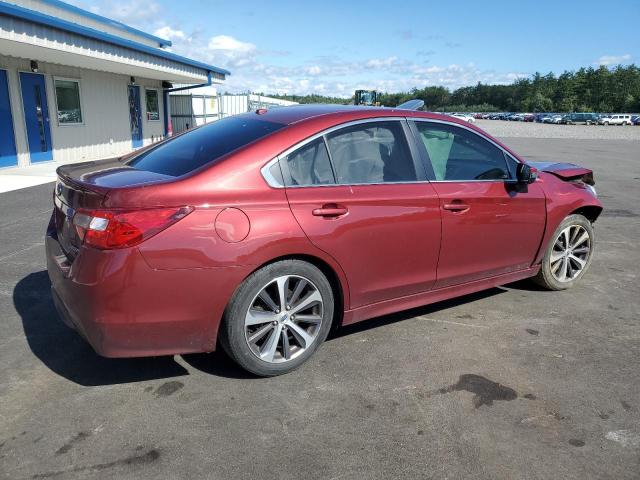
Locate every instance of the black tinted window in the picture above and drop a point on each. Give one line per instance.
(374, 152)
(309, 165)
(458, 154)
(194, 149)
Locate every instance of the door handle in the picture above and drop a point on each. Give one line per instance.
(330, 210)
(456, 207)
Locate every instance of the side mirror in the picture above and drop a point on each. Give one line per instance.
(526, 173)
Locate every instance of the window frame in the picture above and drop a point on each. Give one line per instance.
(418, 164)
(146, 110)
(78, 82)
(511, 161)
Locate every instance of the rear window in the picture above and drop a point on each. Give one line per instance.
(203, 145)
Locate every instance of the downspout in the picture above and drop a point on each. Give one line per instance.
(168, 131)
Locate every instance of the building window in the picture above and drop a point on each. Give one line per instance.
(153, 108)
(68, 101)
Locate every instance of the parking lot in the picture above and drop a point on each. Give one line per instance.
(510, 383)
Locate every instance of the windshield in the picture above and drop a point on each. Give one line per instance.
(203, 145)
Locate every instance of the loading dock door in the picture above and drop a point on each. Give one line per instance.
(8, 157)
(36, 116)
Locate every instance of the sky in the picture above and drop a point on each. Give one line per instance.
(333, 48)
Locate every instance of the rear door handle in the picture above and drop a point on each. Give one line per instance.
(330, 210)
(456, 207)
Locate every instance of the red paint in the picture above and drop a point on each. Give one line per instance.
(232, 225)
(391, 246)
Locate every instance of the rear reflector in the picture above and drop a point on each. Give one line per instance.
(107, 229)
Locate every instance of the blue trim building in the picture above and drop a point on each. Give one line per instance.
(80, 86)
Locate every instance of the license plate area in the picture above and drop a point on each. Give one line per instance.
(67, 236)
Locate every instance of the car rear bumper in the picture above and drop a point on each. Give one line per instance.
(124, 308)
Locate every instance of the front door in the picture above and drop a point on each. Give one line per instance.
(135, 116)
(490, 225)
(369, 208)
(8, 156)
(36, 116)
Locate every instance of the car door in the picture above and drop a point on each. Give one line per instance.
(361, 195)
(490, 224)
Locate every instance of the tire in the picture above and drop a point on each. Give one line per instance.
(247, 305)
(605, 123)
(550, 274)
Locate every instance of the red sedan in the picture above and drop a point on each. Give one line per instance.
(261, 231)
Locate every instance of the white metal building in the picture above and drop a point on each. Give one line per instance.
(76, 86)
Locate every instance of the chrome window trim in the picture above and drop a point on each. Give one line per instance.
(273, 182)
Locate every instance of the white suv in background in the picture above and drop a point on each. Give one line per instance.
(616, 120)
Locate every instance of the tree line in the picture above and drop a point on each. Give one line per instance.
(585, 90)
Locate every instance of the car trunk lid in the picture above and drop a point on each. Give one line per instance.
(565, 171)
(85, 186)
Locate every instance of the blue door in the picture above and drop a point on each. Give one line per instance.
(36, 117)
(135, 116)
(8, 157)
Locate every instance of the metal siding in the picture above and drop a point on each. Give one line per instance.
(33, 34)
(54, 11)
(105, 131)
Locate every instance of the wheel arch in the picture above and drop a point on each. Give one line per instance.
(591, 212)
(337, 281)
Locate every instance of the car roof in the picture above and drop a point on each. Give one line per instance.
(299, 113)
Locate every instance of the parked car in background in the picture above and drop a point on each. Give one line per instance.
(340, 214)
(464, 116)
(580, 118)
(557, 118)
(528, 117)
(635, 119)
(618, 119)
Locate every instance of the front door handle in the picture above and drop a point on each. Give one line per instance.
(330, 210)
(456, 207)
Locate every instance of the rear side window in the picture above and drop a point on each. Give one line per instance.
(457, 154)
(203, 145)
(375, 152)
(309, 165)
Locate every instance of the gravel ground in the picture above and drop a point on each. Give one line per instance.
(499, 128)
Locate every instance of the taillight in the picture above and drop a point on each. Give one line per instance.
(106, 229)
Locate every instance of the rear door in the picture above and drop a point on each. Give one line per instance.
(360, 196)
(490, 225)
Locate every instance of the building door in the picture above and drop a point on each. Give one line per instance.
(135, 116)
(8, 156)
(36, 117)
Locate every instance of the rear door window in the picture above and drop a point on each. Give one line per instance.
(308, 165)
(371, 152)
(203, 145)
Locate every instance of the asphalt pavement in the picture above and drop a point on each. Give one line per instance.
(510, 383)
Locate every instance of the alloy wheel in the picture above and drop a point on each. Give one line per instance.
(284, 319)
(570, 253)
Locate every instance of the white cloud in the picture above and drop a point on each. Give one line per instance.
(607, 60)
(169, 33)
(227, 43)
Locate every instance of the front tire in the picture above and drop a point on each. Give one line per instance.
(278, 318)
(568, 255)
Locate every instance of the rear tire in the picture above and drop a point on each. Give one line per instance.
(568, 254)
(278, 318)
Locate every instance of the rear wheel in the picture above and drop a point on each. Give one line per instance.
(278, 318)
(568, 254)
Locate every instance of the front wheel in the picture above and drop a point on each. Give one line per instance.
(568, 254)
(278, 318)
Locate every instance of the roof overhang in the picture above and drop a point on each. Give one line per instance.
(67, 43)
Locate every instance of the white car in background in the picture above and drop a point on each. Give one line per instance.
(615, 120)
(464, 116)
(555, 119)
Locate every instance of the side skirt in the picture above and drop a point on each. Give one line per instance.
(433, 296)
